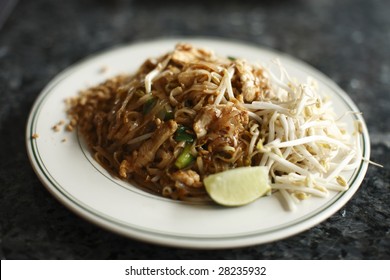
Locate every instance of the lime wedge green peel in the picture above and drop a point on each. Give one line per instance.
(239, 186)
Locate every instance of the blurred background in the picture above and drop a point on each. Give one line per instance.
(347, 40)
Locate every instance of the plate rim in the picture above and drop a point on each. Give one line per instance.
(193, 242)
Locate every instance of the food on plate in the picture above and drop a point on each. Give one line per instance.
(189, 114)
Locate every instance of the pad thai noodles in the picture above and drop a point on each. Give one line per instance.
(190, 113)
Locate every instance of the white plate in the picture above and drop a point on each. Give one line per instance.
(76, 180)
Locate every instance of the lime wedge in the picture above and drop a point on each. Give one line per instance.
(239, 186)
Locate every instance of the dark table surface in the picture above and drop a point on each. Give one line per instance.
(347, 40)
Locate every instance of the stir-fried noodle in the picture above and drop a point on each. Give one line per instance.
(190, 113)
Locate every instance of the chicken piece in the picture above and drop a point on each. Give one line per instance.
(187, 177)
(186, 53)
(220, 120)
(183, 57)
(204, 119)
(247, 79)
